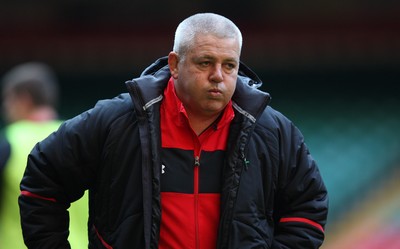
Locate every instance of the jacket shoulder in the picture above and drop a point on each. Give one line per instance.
(98, 121)
(277, 129)
(273, 119)
(109, 110)
(115, 106)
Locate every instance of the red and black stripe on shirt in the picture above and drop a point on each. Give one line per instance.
(190, 177)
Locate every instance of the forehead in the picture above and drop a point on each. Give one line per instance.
(212, 45)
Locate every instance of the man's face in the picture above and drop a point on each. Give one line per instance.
(13, 106)
(205, 79)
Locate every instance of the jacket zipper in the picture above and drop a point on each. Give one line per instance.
(196, 197)
(196, 183)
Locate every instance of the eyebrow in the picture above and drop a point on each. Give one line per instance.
(208, 57)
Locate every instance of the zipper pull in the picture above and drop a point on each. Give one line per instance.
(246, 164)
(245, 161)
(197, 161)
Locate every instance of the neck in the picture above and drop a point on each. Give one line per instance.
(199, 123)
(43, 113)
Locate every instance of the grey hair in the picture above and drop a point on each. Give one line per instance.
(203, 24)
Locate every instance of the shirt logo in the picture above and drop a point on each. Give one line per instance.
(162, 169)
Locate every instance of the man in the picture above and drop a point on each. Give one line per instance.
(191, 157)
(30, 95)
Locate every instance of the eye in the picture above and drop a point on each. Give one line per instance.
(230, 66)
(204, 63)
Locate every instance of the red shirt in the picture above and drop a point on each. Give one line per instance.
(191, 176)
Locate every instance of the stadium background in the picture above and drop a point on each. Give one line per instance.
(333, 67)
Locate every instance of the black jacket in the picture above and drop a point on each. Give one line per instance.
(272, 195)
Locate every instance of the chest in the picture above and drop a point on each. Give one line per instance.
(190, 163)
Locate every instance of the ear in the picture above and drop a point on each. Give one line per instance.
(173, 61)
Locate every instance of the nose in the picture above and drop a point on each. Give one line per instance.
(216, 75)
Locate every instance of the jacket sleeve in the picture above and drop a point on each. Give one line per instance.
(301, 205)
(59, 170)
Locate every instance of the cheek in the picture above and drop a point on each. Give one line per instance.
(195, 82)
(231, 85)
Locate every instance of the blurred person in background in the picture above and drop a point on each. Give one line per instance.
(30, 93)
(191, 157)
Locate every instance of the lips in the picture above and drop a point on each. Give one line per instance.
(215, 91)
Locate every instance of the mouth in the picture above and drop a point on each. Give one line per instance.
(215, 92)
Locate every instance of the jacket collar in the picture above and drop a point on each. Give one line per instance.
(247, 98)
